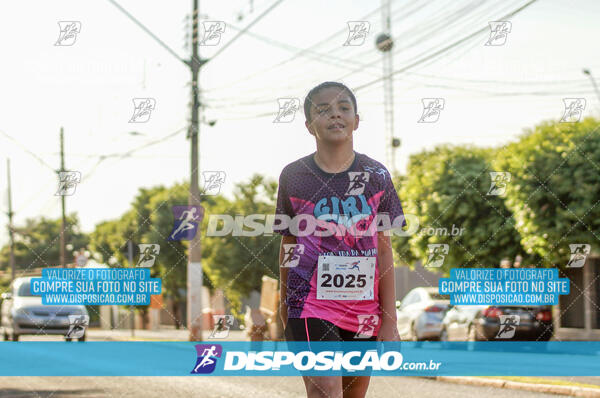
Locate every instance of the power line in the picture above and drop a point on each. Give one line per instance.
(145, 29)
(443, 50)
(244, 30)
(28, 151)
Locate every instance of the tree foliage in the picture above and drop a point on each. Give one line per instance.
(237, 263)
(447, 187)
(554, 192)
(37, 243)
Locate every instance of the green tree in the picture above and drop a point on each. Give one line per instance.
(237, 263)
(37, 243)
(447, 187)
(554, 190)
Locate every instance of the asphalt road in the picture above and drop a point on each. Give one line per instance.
(230, 387)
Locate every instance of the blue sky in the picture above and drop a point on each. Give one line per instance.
(491, 93)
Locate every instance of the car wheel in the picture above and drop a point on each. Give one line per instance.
(4, 335)
(14, 336)
(472, 334)
(82, 338)
(68, 339)
(444, 335)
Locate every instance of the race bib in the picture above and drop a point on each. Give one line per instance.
(345, 278)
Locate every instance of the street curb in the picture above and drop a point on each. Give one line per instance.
(514, 385)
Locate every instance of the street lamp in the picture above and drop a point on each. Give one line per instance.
(589, 73)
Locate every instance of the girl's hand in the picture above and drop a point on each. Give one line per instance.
(388, 331)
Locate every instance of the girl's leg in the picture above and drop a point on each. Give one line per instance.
(355, 386)
(313, 329)
(323, 386)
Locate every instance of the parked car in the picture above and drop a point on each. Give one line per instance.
(420, 314)
(482, 323)
(23, 313)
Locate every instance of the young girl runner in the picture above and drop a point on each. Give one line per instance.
(338, 287)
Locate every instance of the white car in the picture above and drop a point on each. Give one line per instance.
(23, 313)
(420, 314)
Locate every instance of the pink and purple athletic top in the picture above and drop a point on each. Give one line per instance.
(340, 198)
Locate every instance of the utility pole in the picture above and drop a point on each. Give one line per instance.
(131, 313)
(63, 230)
(194, 267)
(384, 44)
(10, 224)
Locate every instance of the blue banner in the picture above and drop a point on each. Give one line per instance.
(498, 286)
(289, 359)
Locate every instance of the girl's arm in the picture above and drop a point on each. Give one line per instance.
(387, 289)
(283, 273)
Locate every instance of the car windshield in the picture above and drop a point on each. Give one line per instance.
(24, 290)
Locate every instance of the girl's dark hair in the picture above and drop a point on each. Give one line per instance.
(315, 90)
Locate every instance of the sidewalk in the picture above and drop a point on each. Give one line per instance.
(570, 386)
(163, 334)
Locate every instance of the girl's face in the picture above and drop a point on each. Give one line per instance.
(333, 118)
